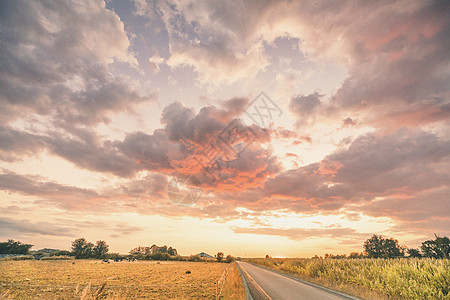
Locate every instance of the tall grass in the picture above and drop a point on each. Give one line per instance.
(424, 278)
(233, 287)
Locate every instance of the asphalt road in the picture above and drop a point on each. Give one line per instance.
(264, 284)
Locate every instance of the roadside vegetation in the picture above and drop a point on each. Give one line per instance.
(232, 288)
(414, 278)
(385, 270)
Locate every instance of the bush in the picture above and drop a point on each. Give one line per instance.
(194, 258)
(18, 257)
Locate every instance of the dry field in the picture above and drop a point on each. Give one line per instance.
(93, 279)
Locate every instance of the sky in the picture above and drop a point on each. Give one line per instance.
(288, 128)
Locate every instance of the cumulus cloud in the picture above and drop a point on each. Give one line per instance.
(15, 144)
(396, 55)
(55, 61)
(305, 108)
(216, 39)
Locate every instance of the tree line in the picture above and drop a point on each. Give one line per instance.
(374, 247)
(381, 247)
(83, 249)
(14, 247)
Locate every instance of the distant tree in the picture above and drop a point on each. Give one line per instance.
(140, 251)
(14, 247)
(81, 248)
(379, 247)
(62, 253)
(172, 251)
(414, 252)
(155, 253)
(437, 248)
(194, 258)
(219, 256)
(356, 255)
(115, 256)
(100, 250)
(267, 256)
(229, 259)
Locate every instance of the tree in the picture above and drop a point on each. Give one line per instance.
(437, 248)
(100, 250)
(379, 247)
(219, 256)
(154, 252)
(229, 258)
(356, 255)
(14, 247)
(414, 252)
(140, 251)
(81, 248)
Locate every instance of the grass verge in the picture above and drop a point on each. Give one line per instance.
(372, 278)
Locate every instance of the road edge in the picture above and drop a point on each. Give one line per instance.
(247, 291)
(307, 282)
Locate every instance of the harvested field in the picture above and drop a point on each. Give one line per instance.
(122, 280)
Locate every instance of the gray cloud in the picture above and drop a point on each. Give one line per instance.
(305, 108)
(14, 144)
(55, 61)
(64, 196)
(10, 227)
(396, 57)
(375, 165)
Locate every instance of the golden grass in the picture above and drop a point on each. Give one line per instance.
(232, 288)
(83, 279)
(372, 278)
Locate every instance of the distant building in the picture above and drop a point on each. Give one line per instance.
(203, 254)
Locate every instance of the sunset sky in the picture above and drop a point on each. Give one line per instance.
(104, 104)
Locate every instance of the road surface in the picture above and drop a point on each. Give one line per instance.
(264, 284)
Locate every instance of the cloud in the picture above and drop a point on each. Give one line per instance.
(55, 62)
(404, 165)
(155, 61)
(298, 234)
(397, 56)
(10, 227)
(407, 160)
(305, 108)
(94, 154)
(61, 227)
(15, 144)
(207, 37)
(64, 196)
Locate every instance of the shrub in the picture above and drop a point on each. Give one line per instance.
(18, 257)
(194, 258)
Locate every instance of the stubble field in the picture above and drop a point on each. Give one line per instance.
(93, 279)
